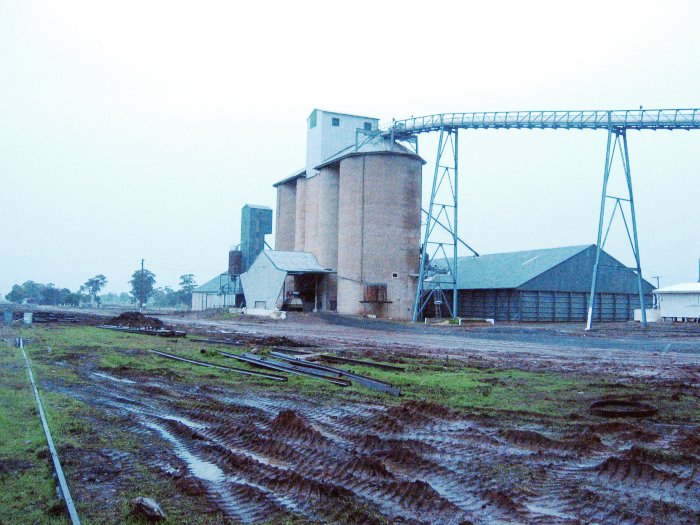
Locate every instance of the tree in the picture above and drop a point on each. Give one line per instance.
(164, 297)
(94, 285)
(187, 285)
(142, 282)
(39, 293)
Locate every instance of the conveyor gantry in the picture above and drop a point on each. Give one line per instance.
(653, 119)
(444, 194)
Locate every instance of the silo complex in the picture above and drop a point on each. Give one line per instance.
(358, 211)
(379, 232)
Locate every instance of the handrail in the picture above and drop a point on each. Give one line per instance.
(654, 119)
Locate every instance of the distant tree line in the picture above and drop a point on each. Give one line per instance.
(39, 293)
(142, 291)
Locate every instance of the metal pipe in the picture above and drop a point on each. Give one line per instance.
(368, 382)
(72, 512)
(456, 218)
(274, 377)
(606, 176)
(628, 176)
(424, 250)
(271, 364)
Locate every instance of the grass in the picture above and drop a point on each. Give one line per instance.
(448, 383)
(27, 491)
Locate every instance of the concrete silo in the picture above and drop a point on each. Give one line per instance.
(379, 230)
(358, 211)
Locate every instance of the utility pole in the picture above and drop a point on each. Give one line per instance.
(657, 277)
(141, 288)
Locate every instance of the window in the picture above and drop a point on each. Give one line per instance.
(335, 121)
(395, 275)
(312, 119)
(368, 126)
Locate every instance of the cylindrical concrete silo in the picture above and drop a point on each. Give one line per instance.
(379, 218)
(300, 215)
(285, 229)
(328, 182)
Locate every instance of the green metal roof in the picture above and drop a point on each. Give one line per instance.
(214, 285)
(509, 270)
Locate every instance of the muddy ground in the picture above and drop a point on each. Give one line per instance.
(243, 453)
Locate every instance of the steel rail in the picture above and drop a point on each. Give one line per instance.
(367, 382)
(229, 342)
(67, 498)
(289, 368)
(360, 362)
(651, 119)
(274, 377)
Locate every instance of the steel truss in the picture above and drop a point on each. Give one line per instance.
(443, 211)
(619, 143)
(444, 196)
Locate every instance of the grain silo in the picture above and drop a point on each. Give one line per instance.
(358, 211)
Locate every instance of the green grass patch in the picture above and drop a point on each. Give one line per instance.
(27, 491)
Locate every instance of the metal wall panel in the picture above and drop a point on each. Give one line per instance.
(545, 306)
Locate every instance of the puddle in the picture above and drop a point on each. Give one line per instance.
(184, 421)
(112, 378)
(202, 469)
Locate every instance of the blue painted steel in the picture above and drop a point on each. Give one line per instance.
(635, 247)
(444, 187)
(256, 222)
(424, 249)
(606, 177)
(594, 119)
(614, 121)
(633, 239)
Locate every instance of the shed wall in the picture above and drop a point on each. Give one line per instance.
(680, 305)
(575, 274)
(205, 301)
(545, 305)
(262, 284)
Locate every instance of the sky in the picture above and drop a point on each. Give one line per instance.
(133, 130)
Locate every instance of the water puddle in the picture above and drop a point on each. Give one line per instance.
(187, 422)
(112, 378)
(202, 469)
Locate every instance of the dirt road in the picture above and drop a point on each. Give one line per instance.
(244, 452)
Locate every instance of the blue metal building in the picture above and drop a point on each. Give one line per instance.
(549, 285)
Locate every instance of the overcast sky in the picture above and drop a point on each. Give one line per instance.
(134, 130)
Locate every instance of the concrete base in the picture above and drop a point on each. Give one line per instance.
(261, 312)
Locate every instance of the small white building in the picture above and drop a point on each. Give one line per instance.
(276, 275)
(220, 292)
(679, 302)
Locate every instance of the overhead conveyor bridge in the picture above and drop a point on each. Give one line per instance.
(653, 119)
(443, 209)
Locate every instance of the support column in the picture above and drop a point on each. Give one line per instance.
(635, 248)
(620, 133)
(604, 194)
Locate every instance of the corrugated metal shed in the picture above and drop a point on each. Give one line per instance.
(547, 285)
(510, 270)
(295, 262)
